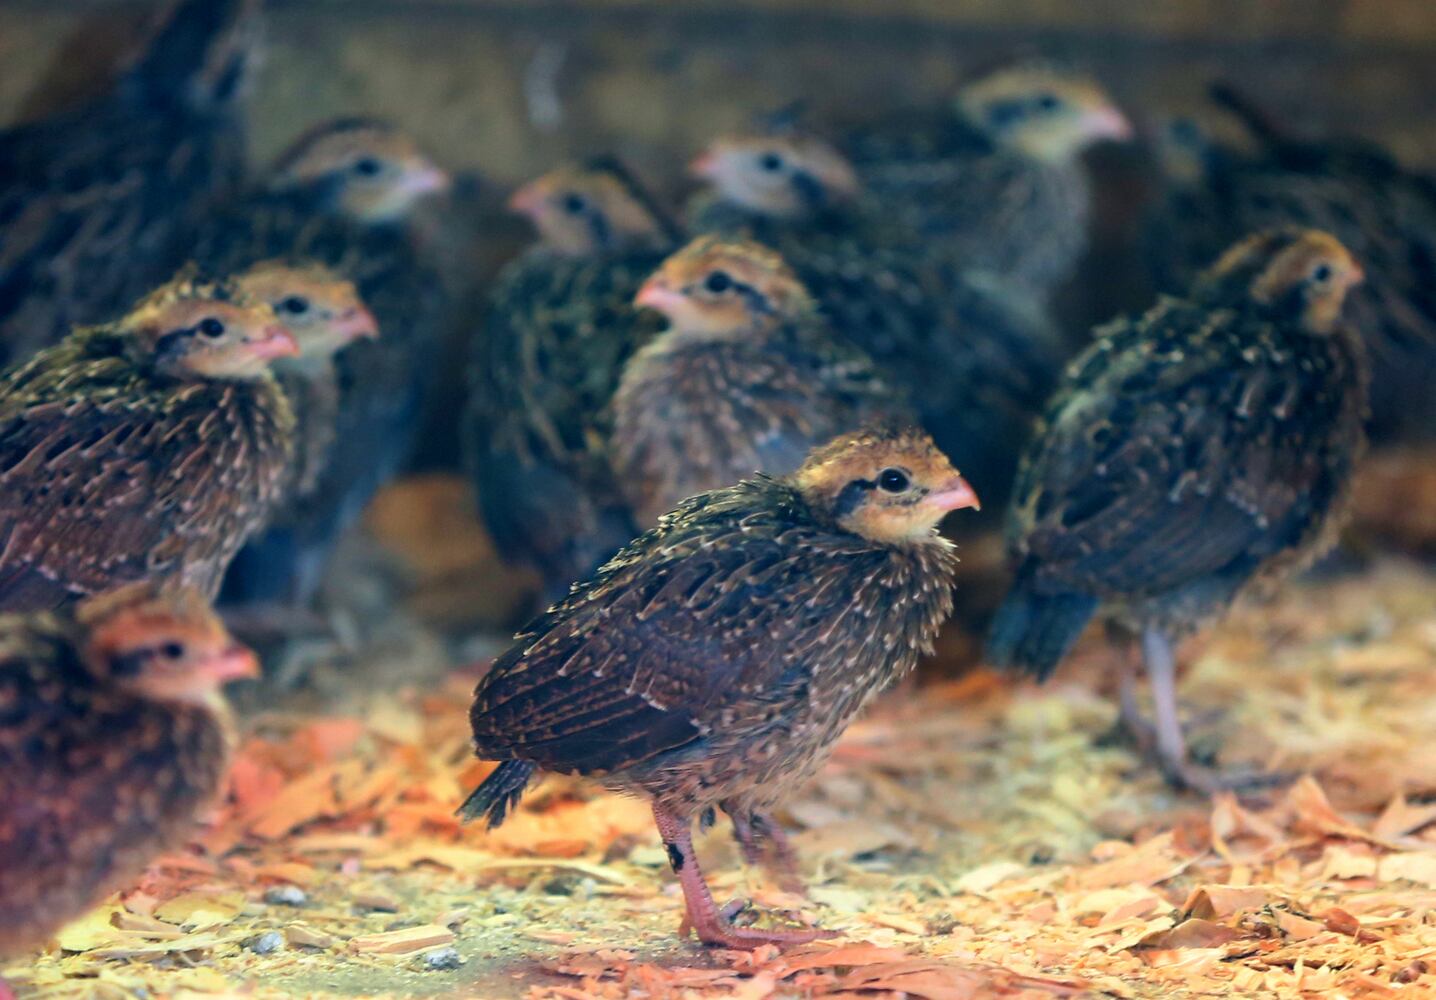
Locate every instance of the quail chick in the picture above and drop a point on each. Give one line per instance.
(93, 201)
(325, 314)
(146, 449)
(1355, 190)
(747, 378)
(996, 182)
(975, 354)
(113, 735)
(1191, 454)
(346, 195)
(713, 662)
(561, 325)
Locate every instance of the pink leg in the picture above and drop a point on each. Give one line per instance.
(5, 992)
(703, 916)
(765, 843)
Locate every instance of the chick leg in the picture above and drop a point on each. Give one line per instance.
(5, 991)
(764, 843)
(703, 915)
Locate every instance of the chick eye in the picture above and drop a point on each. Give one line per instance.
(892, 480)
(1047, 102)
(771, 162)
(718, 282)
(367, 166)
(1321, 273)
(172, 651)
(210, 327)
(574, 204)
(298, 305)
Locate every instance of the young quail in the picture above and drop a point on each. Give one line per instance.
(146, 449)
(996, 182)
(113, 736)
(325, 314)
(93, 201)
(747, 378)
(1385, 213)
(561, 325)
(1192, 453)
(975, 354)
(346, 195)
(713, 662)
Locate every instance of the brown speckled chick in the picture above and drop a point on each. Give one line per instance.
(997, 180)
(1191, 453)
(143, 450)
(113, 735)
(714, 661)
(747, 378)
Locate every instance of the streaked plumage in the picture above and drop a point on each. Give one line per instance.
(995, 182)
(113, 737)
(143, 450)
(747, 378)
(977, 357)
(1354, 189)
(344, 196)
(715, 660)
(1191, 453)
(561, 325)
(93, 201)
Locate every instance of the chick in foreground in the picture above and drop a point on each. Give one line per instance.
(1384, 212)
(1193, 453)
(713, 662)
(561, 325)
(996, 179)
(747, 378)
(146, 449)
(348, 194)
(93, 201)
(972, 350)
(326, 316)
(113, 736)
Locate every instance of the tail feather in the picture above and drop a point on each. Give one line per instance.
(1032, 633)
(1258, 120)
(498, 793)
(200, 49)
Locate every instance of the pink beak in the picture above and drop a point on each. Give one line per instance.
(235, 663)
(358, 324)
(655, 294)
(277, 342)
(426, 180)
(703, 165)
(955, 494)
(1107, 122)
(526, 201)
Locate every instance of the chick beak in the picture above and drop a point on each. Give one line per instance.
(426, 179)
(655, 294)
(526, 201)
(955, 494)
(1106, 122)
(276, 342)
(358, 324)
(703, 166)
(234, 664)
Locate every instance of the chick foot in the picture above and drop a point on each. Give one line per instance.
(765, 844)
(703, 917)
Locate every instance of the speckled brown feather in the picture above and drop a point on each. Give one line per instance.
(94, 781)
(111, 472)
(93, 202)
(717, 657)
(1199, 449)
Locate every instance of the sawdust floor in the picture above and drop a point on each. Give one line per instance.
(970, 838)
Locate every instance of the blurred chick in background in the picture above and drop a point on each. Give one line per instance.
(94, 202)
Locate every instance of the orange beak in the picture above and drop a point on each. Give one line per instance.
(704, 165)
(955, 494)
(358, 324)
(234, 664)
(655, 294)
(277, 342)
